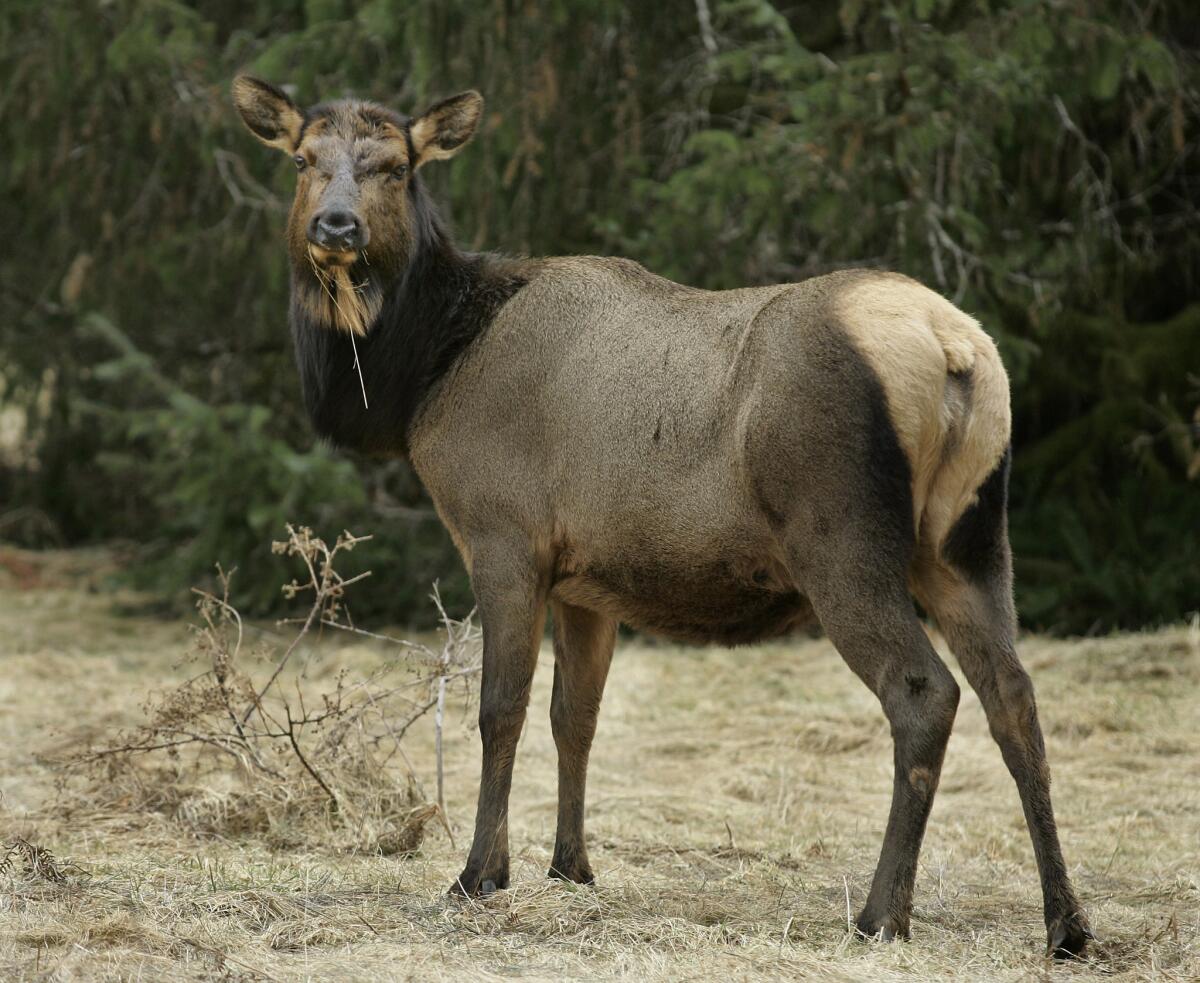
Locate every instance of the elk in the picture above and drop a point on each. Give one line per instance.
(713, 467)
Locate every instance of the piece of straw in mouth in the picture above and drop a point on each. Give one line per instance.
(351, 316)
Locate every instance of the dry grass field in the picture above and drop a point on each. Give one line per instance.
(736, 807)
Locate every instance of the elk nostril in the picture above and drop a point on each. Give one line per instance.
(339, 221)
(335, 228)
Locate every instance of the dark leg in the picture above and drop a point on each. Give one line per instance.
(512, 611)
(967, 587)
(583, 647)
(870, 619)
(976, 615)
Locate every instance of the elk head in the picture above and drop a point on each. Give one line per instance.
(360, 212)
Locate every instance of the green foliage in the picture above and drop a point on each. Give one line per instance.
(221, 484)
(1033, 160)
(1106, 510)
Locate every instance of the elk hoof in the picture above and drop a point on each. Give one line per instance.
(473, 885)
(576, 874)
(1067, 937)
(869, 929)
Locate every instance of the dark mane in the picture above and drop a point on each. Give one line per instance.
(431, 313)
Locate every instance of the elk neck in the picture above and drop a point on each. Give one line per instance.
(430, 315)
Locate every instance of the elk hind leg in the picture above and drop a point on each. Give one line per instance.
(869, 617)
(968, 590)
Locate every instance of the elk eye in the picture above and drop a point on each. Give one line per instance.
(301, 163)
(399, 172)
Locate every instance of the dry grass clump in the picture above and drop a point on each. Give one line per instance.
(244, 747)
(29, 862)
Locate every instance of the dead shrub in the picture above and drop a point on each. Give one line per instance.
(246, 747)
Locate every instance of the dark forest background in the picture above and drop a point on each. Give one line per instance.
(1034, 160)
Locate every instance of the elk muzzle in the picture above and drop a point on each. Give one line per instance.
(336, 235)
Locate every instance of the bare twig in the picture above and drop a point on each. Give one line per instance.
(291, 734)
(327, 588)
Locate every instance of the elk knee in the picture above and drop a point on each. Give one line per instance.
(944, 693)
(1016, 689)
(924, 699)
(1016, 709)
(921, 711)
(923, 780)
(573, 733)
(500, 721)
(566, 731)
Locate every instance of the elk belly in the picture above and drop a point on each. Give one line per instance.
(725, 601)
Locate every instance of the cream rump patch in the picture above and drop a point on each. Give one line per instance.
(946, 389)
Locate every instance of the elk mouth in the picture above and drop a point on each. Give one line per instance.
(332, 257)
(342, 300)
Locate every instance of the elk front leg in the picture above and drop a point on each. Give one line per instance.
(511, 598)
(583, 647)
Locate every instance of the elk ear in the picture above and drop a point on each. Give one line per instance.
(268, 112)
(441, 130)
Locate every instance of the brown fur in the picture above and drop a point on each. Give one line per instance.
(653, 450)
(692, 373)
(350, 151)
(360, 136)
(719, 466)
